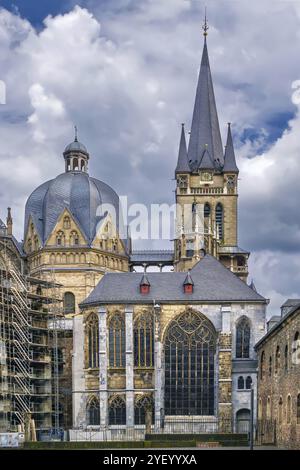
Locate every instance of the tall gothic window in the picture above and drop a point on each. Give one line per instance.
(144, 341)
(117, 341)
(190, 345)
(93, 412)
(219, 221)
(296, 349)
(286, 358)
(277, 360)
(280, 404)
(288, 409)
(262, 365)
(92, 332)
(298, 408)
(206, 217)
(117, 410)
(143, 405)
(243, 338)
(69, 302)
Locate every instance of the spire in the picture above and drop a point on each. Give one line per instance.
(75, 129)
(182, 162)
(205, 131)
(9, 222)
(229, 157)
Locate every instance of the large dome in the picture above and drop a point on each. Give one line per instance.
(77, 191)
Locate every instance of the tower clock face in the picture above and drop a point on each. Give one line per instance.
(206, 176)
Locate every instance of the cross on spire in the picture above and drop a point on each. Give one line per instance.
(205, 26)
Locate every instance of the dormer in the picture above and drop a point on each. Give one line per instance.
(144, 285)
(188, 285)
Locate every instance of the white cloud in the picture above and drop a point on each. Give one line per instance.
(126, 75)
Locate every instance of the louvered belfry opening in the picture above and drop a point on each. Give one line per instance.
(190, 346)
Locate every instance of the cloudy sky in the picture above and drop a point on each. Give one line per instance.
(125, 72)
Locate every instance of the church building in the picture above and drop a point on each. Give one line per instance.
(152, 350)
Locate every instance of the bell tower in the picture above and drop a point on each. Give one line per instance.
(207, 186)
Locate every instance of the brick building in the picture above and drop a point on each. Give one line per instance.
(279, 379)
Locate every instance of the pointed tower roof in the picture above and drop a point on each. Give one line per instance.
(182, 162)
(205, 131)
(229, 157)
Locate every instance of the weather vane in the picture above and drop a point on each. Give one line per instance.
(205, 27)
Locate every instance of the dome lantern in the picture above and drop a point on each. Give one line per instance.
(76, 156)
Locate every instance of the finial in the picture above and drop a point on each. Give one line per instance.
(75, 128)
(229, 124)
(182, 125)
(205, 27)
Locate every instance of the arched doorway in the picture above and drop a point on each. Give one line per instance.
(190, 346)
(243, 421)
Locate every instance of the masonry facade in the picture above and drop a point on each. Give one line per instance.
(279, 381)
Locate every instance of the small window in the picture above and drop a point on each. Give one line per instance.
(241, 383)
(262, 365)
(67, 222)
(298, 408)
(288, 409)
(270, 366)
(277, 360)
(69, 302)
(248, 382)
(296, 349)
(286, 358)
(280, 411)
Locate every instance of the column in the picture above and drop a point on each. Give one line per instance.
(103, 367)
(129, 366)
(159, 378)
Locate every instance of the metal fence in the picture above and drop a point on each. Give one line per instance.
(170, 426)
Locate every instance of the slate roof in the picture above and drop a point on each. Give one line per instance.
(212, 283)
(76, 191)
(76, 147)
(205, 130)
(280, 324)
(152, 256)
(291, 303)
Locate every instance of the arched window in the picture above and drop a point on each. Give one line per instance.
(117, 410)
(219, 221)
(241, 383)
(262, 365)
(75, 164)
(288, 409)
(143, 405)
(270, 366)
(60, 238)
(93, 412)
(243, 338)
(117, 341)
(206, 217)
(144, 341)
(74, 238)
(190, 345)
(277, 360)
(67, 222)
(280, 411)
(248, 382)
(69, 302)
(286, 358)
(36, 242)
(268, 408)
(92, 332)
(82, 165)
(298, 408)
(296, 349)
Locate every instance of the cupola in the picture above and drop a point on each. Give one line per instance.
(76, 156)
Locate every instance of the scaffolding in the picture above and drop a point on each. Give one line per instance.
(31, 323)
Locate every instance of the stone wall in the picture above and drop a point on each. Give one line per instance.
(275, 385)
